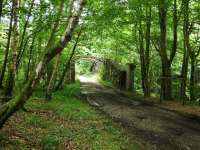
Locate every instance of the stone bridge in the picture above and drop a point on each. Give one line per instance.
(121, 76)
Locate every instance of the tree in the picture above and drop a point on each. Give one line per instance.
(145, 51)
(166, 82)
(16, 103)
(14, 46)
(1, 7)
(186, 48)
(3, 70)
(67, 65)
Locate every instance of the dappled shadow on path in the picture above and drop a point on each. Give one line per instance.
(155, 128)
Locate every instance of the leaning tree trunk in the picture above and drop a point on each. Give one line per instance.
(67, 65)
(16, 103)
(52, 68)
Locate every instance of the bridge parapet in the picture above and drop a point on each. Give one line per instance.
(121, 76)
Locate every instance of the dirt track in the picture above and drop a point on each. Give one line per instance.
(154, 128)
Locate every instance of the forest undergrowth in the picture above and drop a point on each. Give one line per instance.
(64, 123)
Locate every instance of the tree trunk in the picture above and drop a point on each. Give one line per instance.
(16, 103)
(50, 71)
(184, 76)
(14, 45)
(67, 65)
(6, 51)
(186, 50)
(143, 65)
(192, 78)
(166, 66)
(144, 53)
(72, 72)
(166, 78)
(20, 48)
(1, 8)
(52, 79)
(175, 36)
(30, 59)
(166, 82)
(147, 92)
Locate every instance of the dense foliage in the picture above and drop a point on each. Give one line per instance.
(40, 42)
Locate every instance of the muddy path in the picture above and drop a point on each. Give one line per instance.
(153, 127)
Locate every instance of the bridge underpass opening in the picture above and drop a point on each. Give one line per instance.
(87, 70)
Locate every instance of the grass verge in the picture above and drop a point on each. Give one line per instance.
(64, 123)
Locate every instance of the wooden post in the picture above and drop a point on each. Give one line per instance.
(130, 77)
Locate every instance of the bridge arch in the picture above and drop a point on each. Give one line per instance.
(89, 58)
